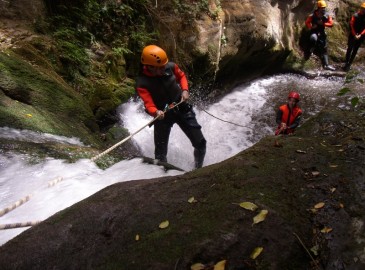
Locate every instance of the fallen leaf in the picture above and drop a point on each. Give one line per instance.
(137, 237)
(319, 205)
(192, 200)
(315, 249)
(29, 115)
(341, 205)
(326, 230)
(220, 265)
(333, 165)
(315, 173)
(260, 217)
(197, 266)
(256, 252)
(301, 151)
(323, 144)
(249, 206)
(333, 189)
(164, 224)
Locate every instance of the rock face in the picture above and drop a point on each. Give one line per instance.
(22, 9)
(287, 176)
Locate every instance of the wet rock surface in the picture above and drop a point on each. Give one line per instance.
(312, 185)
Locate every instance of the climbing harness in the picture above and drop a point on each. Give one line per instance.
(225, 120)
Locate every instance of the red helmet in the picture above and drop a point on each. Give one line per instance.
(294, 95)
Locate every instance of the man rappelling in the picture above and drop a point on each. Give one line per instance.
(289, 115)
(162, 84)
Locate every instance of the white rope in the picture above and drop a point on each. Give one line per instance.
(18, 225)
(130, 136)
(55, 181)
(15, 205)
(27, 198)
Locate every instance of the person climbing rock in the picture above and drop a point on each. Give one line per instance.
(356, 36)
(162, 83)
(288, 116)
(316, 23)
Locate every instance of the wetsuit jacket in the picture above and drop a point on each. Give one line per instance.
(157, 91)
(290, 117)
(357, 24)
(314, 18)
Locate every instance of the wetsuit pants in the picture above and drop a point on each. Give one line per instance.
(353, 45)
(318, 40)
(184, 116)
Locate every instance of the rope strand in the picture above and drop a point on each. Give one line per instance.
(225, 120)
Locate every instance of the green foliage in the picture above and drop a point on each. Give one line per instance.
(76, 25)
(350, 78)
(195, 9)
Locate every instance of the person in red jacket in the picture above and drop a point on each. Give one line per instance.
(356, 36)
(316, 23)
(160, 84)
(288, 115)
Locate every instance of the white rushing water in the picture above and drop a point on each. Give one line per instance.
(251, 105)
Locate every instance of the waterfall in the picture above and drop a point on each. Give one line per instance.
(248, 112)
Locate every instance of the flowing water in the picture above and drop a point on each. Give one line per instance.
(248, 112)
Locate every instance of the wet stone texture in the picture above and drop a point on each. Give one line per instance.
(311, 184)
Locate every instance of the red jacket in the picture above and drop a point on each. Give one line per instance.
(314, 18)
(157, 91)
(289, 117)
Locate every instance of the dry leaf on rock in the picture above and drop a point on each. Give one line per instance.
(256, 252)
(319, 205)
(197, 266)
(164, 224)
(220, 265)
(260, 217)
(326, 230)
(249, 206)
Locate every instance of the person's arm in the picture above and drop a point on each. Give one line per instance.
(181, 78)
(308, 22)
(279, 116)
(183, 81)
(329, 22)
(352, 26)
(148, 101)
(296, 122)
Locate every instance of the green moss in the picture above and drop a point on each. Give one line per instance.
(36, 101)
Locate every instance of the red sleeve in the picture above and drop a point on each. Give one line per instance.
(181, 78)
(352, 24)
(148, 101)
(329, 23)
(308, 22)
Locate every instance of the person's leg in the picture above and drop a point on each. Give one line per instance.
(313, 42)
(322, 42)
(189, 125)
(349, 52)
(356, 47)
(162, 130)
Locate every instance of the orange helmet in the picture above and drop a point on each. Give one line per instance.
(363, 5)
(294, 95)
(153, 55)
(321, 4)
